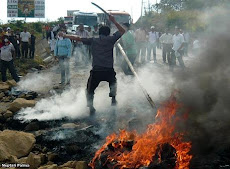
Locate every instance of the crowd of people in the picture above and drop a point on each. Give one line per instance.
(174, 45)
(15, 44)
(23, 41)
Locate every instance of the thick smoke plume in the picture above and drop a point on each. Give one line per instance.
(205, 89)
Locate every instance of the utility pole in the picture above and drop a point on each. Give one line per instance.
(157, 5)
(149, 6)
(142, 10)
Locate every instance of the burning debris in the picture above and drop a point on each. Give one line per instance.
(160, 146)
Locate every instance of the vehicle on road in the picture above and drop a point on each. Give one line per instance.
(120, 16)
(86, 18)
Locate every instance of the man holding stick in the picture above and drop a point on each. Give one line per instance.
(102, 52)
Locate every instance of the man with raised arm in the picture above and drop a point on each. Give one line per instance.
(102, 65)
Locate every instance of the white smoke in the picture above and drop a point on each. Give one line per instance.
(37, 82)
(72, 102)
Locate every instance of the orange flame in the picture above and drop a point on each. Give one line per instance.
(145, 145)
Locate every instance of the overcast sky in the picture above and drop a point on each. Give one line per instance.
(58, 8)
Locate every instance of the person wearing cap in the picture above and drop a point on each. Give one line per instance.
(153, 37)
(130, 48)
(177, 52)
(166, 40)
(8, 30)
(6, 58)
(103, 61)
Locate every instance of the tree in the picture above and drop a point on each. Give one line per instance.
(168, 5)
(178, 5)
(61, 20)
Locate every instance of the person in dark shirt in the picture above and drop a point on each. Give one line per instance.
(12, 38)
(18, 38)
(102, 52)
(32, 44)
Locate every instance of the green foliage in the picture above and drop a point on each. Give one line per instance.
(179, 5)
(61, 20)
(37, 26)
(188, 20)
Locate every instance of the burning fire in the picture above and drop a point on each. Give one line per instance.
(145, 146)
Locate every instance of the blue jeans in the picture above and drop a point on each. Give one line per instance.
(65, 72)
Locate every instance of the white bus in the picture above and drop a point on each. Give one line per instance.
(88, 19)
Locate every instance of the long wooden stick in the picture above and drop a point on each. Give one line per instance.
(135, 74)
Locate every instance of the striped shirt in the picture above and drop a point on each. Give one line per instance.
(82, 34)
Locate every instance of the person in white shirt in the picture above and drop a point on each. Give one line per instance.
(166, 41)
(25, 39)
(152, 44)
(6, 59)
(51, 39)
(196, 46)
(140, 37)
(95, 31)
(177, 52)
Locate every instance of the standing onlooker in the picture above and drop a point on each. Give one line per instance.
(7, 60)
(153, 37)
(95, 31)
(51, 39)
(5, 30)
(178, 44)
(47, 29)
(90, 33)
(17, 49)
(140, 36)
(1, 37)
(81, 48)
(186, 43)
(166, 41)
(55, 29)
(62, 52)
(13, 40)
(25, 39)
(129, 44)
(32, 44)
(182, 33)
(159, 45)
(196, 46)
